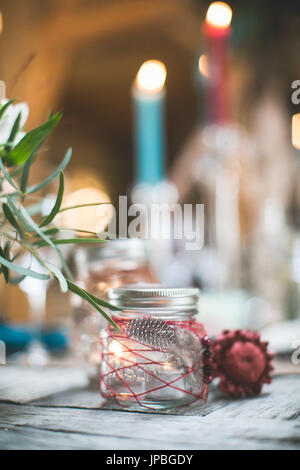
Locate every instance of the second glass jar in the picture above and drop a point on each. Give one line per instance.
(112, 263)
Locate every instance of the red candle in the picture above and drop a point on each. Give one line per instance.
(217, 32)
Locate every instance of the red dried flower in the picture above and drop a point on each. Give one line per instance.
(242, 362)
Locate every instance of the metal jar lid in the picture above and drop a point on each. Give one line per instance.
(137, 297)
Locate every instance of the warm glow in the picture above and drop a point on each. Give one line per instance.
(219, 15)
(151, 77)
(203, 65)
(2, 90)
(1, 23)
(296, 131)
(116, 348)
(95, 358)
(93, 218)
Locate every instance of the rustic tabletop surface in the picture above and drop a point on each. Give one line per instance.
(77, 420)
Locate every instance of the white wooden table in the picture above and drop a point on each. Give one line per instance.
(75, 420)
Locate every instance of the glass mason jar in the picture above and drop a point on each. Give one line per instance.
(97, 268)
(160, 356)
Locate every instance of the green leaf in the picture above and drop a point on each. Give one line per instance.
(4, 268)
(22, 151)
(6, 175)
(104, 304)
(61, 167)
(16, 280)
(45, 238)
(27, 166)
(91, 204)
(70, 241)
(25, 174)
(7, 249)
(4, 107)
(36, 227)
(50, 231)
(85, 295)
(77, 230)
(57, 204)
(23, 271)
(16, 212)
(10, 217)
(15, 129)
(60, 277)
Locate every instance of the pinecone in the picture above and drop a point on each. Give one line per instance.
(151, 331)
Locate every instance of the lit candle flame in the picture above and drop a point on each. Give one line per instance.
(203, 65)
(116, 348)
(296, 131)
(152, 76)
(219, 15)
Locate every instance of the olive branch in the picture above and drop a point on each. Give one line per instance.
(23, 228)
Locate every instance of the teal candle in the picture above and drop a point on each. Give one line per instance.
(149, 98)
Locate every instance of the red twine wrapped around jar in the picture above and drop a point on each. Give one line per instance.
(137, 357)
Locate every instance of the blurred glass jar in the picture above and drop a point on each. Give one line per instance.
(114, 263)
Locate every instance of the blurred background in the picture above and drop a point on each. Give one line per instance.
(233, 153)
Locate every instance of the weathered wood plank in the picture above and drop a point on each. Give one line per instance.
(69, 428)
(23, 384)
(281, 399)
(271, 421)
(91, 399)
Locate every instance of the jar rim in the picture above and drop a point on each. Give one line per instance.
(155, 297)
(133, 248)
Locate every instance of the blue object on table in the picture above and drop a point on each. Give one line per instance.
(149, 137)
(55, 340)
(17, 338)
